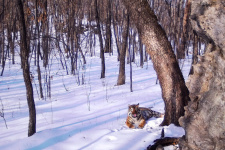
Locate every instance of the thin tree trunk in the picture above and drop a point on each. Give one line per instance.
(78, 43)
(141, 52)
(174, 90)
(3, 53)
(195, 53)
(179, 35)
(26, 71)
(122, 76)
(45, 28)
(134, 45)
(115, 29)
(3, 42)
(13, 44)
(186, 25)
(100, 41)
(108, 40)
(130, 62)
(38, 53)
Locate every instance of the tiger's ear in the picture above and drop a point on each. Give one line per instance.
(137, 106)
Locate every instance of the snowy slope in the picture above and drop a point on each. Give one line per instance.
(90, 116)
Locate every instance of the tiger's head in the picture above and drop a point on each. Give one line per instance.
(133, 110)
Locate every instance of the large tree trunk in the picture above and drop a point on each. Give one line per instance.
(204, 120)
(174, 90)
(24, 50)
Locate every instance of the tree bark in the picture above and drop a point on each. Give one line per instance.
(45, 32)
(122, 75)
(141, 53)
(205, 114)
(108, 40)
(186, 26)
(100, 41)
(174, 90)
(130, 62)
(38, 52)
(24, 49)
(194, 54)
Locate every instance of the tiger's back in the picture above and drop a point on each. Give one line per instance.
(147, 113)
(137, 116)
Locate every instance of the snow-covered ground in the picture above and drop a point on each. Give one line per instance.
(89, 116)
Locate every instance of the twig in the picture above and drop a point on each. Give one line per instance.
(64, 84)
(2, 114)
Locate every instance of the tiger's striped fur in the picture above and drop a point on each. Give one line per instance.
(137, 116)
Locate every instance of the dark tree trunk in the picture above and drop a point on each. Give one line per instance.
(180, 39)
(186, 26)
(174, 90)
(115, 28)
(100, 41)
(130, 62)
(78, 42)
(186, 21)
(195, 54)
(3, 54)
(108, 40)
(38, 52)
(45, 28)
(141, 53)
(24, 50)
(122, 76)
(13, 44)
(2, 42)
(134, 46)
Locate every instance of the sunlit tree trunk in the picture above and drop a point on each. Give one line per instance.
(174, 90)
(205, 114)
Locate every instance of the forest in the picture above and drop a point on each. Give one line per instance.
(80, 63)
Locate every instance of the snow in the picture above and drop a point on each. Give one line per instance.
(89, 116)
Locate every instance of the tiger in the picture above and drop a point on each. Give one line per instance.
(137, 116)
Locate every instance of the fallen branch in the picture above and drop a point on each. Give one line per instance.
(163, 141)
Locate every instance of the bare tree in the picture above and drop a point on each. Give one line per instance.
(38, 51)
(174, 90)
(195, 53)
(122, 76)
(100, 40)
(108, 40)
(25, 50)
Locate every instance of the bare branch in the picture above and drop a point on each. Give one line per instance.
(2, 114)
